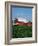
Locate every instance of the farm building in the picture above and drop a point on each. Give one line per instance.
(22, 23)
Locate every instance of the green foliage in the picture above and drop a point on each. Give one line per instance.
(21, 31)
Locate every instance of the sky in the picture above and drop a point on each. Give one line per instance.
(22, 12)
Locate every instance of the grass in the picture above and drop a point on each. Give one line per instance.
(21, 31)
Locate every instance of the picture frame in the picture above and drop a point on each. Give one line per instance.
(8, 23)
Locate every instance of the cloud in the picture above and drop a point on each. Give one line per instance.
(22, 20)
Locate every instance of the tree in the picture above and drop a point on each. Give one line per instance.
(29, 21)
(15, 20)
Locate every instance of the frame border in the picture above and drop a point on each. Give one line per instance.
(7, 24)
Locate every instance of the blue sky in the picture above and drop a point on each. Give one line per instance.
(22, 12)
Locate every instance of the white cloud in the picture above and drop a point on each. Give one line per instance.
(23, 20)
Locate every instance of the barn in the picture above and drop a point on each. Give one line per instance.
(22, 21)
(25, 24)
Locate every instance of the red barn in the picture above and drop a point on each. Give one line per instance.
(22, 23)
